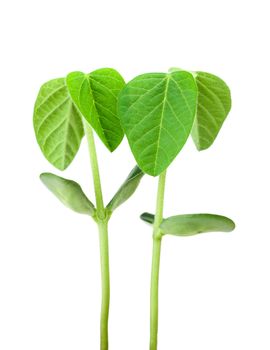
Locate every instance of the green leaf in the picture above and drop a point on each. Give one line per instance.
(57, 123)
(192, 224)
(96, 95)
(69, 193)
(127, 189)
(157, 111)
(214, 104)
(147, 217)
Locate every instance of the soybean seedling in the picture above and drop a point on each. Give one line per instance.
(66, 109)
(158, 112)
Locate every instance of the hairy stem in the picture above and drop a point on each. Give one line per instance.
(102, 222)
(156, 263)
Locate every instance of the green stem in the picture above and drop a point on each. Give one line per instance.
(95, 170)
(156, 263)
(102, 222)
(105, 281)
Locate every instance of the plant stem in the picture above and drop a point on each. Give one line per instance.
(157, 236)
(102, 222)
(105, 281)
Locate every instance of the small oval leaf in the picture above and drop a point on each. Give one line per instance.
(214, 104)
(157, 111)
(69, 193)
(192, 224)
(147, 217)
(127, 189)
(57, 123)
(96, 95)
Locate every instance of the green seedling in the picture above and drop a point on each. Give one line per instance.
(158, 112)
(66, 109)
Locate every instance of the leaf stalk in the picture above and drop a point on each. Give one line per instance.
(102, 221)
(95, 170)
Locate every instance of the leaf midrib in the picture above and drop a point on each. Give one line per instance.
(94, 103)
(161, 121)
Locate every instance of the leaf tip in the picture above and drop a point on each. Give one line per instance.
(147, 217)
(202, 148)
(46, 177)
(43, 176)
(231, 225)
(142, 216)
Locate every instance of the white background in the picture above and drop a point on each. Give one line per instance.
(214, 288)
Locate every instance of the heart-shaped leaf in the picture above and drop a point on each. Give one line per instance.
(192, 224)
(69, 193)
(157, 111)
(57, 123)
(214, 104)
(95, 95)
(127, 189)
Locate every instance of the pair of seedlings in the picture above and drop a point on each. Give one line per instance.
(157, 112)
